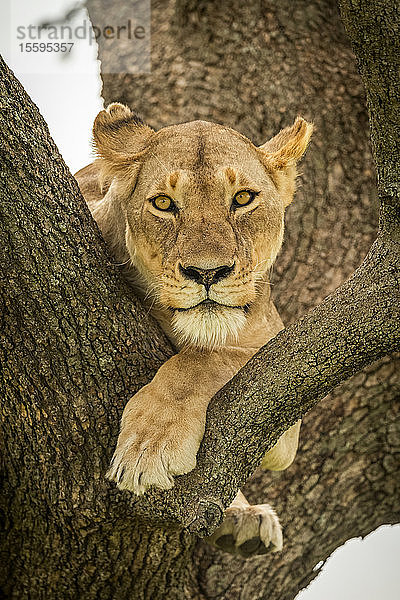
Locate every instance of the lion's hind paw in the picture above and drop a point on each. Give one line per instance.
(249, 530)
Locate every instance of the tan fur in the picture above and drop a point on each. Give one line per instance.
(200, 166)
(248, 530)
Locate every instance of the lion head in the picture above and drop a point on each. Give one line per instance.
(203, 212)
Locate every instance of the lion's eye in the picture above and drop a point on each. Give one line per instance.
(163, 203)
(243, 198)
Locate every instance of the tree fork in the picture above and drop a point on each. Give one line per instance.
(283, 381)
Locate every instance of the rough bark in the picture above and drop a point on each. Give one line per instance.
(92, 543)
(344, 483)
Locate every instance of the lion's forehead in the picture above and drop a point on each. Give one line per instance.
(200, 144)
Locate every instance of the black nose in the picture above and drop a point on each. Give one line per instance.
(206, 277)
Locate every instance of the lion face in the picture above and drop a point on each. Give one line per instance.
(204, 218)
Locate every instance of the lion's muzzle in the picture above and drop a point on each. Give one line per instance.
(206, 277)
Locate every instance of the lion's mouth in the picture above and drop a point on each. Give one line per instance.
(209, 304)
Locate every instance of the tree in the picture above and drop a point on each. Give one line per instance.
(76, 344)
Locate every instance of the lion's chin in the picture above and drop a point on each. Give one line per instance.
(207, 327)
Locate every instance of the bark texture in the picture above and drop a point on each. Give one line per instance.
(76, 346)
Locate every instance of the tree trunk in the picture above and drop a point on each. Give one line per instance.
(76, 346)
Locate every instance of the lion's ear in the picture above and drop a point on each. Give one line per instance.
(286, 148)
(281, 154)
(120, 137)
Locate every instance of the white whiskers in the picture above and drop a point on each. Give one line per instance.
(260, 263)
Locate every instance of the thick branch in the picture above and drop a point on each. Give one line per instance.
(374, 31)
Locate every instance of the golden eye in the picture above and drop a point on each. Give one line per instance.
(163, 202)
(243, 198)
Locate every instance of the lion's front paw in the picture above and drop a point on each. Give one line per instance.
(139, 464)
(154, 444)
(249, 530)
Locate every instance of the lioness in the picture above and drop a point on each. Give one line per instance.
(196, 213)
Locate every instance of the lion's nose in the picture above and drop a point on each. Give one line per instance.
(206, 277)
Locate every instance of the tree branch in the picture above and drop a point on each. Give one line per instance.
(374, 32)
